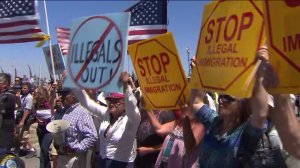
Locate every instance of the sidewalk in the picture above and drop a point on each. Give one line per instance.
(32, 162)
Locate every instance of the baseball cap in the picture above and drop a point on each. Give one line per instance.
(114, 95)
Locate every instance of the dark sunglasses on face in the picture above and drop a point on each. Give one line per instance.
(226, 99)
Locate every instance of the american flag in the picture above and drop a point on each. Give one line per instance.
(19, 21)
(63, 38)
(148, 18)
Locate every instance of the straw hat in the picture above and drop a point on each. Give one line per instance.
(58, 126)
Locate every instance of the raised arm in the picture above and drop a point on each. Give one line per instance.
(92, 107)
(192, 135)
(286, 123)
(193, 131)
(160, 129)
(259, 100)
(131, 108)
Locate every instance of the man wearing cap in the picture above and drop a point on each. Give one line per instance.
(119, 123)
(80, 136)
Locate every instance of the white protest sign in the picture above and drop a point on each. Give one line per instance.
(97, 51)
(59, 64)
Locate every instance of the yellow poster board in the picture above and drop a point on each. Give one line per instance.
(231, 33)
(159, 70)
(283, 32)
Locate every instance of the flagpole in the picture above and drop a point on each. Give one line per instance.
(14, 70)
(39, 83)
(189, 67)
(50, 43)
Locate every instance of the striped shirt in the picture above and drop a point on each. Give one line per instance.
(82, 133)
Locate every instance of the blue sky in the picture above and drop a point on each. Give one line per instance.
(184, 22)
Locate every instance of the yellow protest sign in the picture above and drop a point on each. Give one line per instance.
(231, 33)
(283, 32)
(159, 70)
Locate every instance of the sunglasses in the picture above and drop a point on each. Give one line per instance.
(226, 99)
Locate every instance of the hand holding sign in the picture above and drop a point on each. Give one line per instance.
(231, 32)
(156, 61)
(97, 49)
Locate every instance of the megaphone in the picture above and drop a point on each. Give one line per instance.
(58, 129)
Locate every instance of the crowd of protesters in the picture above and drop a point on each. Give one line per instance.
(211, 131)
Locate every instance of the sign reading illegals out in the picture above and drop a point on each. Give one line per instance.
(284, 43)
(160, 73)
(231, 33)
(97, 51)
(58, 61)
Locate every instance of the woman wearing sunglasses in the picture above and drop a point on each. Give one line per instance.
(119, 123)
(231, 130)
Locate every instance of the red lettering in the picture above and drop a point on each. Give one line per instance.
(244, 25)
(154, 63)
(146, 59)
(164, 58)
(210, 31)
(232, 22)
(292, 3)
(230, 37)
(142, 71)
(220, 21)
(291, 43)
(157, 71)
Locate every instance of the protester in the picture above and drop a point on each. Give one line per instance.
(231, 131)
(58, 112)
(119, 123)
(287, 124)
(174, 152)
(18, 83)
(42, 106)
(80, 136)
(7, 124)
(149, 143)
(24, 119)
(7, 108)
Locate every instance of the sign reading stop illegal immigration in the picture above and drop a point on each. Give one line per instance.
(160, 73)
(97, 49)
(284, 43)
(231, 33)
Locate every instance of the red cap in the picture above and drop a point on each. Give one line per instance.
(116, 95)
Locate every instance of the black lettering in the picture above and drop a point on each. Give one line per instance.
(102, 53)
(93, 77)
(81, 53)
(84, 78)
(117, 44)
(101, 73)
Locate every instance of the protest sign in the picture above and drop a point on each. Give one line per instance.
(58, 61)
(231, 33)
(284, 43)
(160, 72)
(97, 51)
